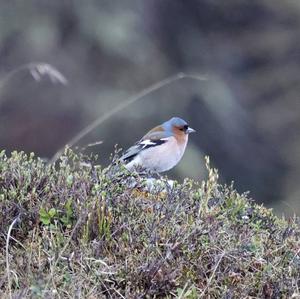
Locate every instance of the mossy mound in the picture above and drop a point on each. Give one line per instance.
(73, 231)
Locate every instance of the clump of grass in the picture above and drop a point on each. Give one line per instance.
(78, 231)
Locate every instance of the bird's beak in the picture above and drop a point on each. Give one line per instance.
(190, 130)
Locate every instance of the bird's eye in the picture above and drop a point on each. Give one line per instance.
(184, 128)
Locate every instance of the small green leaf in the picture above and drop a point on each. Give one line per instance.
(52, 212)
(44, 216)
(70, 179)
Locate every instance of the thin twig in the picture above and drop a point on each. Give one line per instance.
(123, 105)
(7, 255)
(63, 250)
(212, 275)
(183, 291)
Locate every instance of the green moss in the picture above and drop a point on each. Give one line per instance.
(85, 231)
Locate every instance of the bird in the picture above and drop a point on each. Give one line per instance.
(160, 149)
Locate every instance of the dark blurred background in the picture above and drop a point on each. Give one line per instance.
(247, 114)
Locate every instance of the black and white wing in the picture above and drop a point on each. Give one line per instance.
(140, 146)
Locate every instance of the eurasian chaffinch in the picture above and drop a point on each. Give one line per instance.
(161, 148)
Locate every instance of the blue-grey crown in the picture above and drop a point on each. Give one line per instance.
(174, 121)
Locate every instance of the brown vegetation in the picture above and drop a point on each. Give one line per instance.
(75, 231)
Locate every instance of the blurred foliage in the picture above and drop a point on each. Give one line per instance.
(74, 230)
(246, 114)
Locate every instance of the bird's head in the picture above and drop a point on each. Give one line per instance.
(178, 126)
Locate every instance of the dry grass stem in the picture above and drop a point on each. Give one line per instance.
(156, 86)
